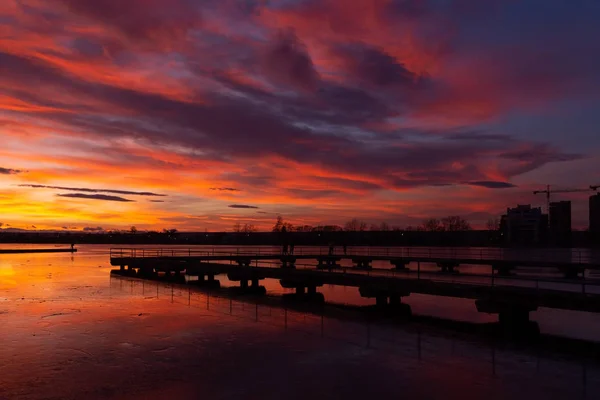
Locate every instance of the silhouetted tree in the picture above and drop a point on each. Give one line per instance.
(432, 225)
(280, 224)
(355, 225)
(382, 227)
(133, 230)
(327, 228)
(493, 224)
(455, 223)
(237, 227)
(249, 228)
(452, 223)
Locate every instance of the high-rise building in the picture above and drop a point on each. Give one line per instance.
(524, 225)
(560, 223)
(595, 215)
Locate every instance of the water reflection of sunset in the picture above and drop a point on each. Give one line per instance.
(70, 328)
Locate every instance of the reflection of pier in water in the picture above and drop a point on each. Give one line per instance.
(504, 291)
(428, 346)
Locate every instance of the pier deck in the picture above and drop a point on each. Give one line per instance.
(497, 258)
(510, 296)
(33, 251)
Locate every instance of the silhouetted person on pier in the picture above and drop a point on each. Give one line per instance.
(292, 248)
(331, 249)
(72, 246)
(284, 237)
(345, 249)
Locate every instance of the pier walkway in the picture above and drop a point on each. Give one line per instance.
(511, 295)
(570, 262)
(35, 251)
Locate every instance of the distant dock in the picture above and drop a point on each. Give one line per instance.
(28, 251)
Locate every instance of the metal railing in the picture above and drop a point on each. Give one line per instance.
(565, 256)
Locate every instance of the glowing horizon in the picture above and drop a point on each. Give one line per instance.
(318, 111)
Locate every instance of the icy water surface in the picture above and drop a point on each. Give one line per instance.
(70, 331)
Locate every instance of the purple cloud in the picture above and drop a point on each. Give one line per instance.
(288, 61)
(10, 171)
(492, 184)
(88, 190)
(95, 197)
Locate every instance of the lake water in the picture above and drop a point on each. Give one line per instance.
(70, 331)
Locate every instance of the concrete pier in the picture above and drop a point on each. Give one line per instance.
(512, 303)
(34, 251)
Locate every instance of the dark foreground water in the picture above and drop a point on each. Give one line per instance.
(70, 331)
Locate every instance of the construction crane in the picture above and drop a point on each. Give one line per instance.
(548, 191)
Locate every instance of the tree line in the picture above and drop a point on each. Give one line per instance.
(452, 223)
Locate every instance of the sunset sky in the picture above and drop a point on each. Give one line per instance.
(196, 114)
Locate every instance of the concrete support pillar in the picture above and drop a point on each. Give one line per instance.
(515, 318)
(244, 284)
(255, 283)
(395, 300)
(210, 277)
(300, 290)
(513, 315)
(381, 300)
(312, 290)
(503, 270)
(122, 268)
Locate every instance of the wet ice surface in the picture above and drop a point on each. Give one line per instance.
(69, 331)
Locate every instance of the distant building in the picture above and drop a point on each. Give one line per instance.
(560, 223)
(595, 216)
(524, 225)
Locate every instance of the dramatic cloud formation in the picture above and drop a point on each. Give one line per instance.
(225, 189)
(319, 110)
(493, 185)
(94, 197)
(9, 171)
(88, 190)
